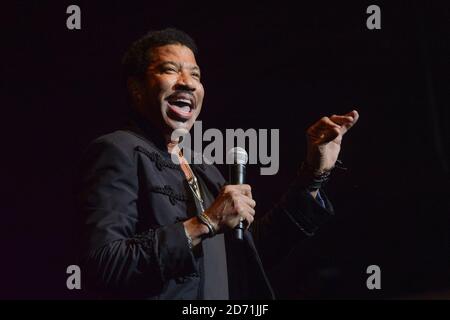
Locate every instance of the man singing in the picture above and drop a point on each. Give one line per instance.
(159, 229)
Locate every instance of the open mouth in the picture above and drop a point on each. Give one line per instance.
(181, 106)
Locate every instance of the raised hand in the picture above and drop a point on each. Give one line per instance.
(324, 140)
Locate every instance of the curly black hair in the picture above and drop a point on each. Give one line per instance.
(136, 58)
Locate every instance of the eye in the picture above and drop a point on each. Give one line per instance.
(196, 75)
(169, 70)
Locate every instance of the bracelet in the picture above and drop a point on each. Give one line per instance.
(190, 242)
(312, 178)
(207, 222)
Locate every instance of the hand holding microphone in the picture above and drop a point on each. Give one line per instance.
(234, 205)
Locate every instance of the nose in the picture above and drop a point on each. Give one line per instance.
(185, 82)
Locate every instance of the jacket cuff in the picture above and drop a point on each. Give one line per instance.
(304, 210)
(174, 255)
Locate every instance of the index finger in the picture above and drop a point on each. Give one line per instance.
(245, 189)
(345, 121)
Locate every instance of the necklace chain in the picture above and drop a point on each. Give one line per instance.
(194, 186)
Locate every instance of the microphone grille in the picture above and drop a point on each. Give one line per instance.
(237, 155)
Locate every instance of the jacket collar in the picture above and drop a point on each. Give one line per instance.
(142, 127)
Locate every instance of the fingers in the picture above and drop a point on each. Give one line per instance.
(244, 207)
(353, 114)
(328, 128)
(248, 220)
(246, 212)
(244, 189)
(245, 204)
(324, 130)
(341, 120)
(346, 121)
(238, 205)
(243, 199)
(249, 201)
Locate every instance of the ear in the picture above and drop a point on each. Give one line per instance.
(134, 88)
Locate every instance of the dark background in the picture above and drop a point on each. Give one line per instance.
(273, 65)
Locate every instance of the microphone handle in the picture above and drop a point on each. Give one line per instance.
(237, 176)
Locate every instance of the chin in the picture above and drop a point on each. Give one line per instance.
(177, 124)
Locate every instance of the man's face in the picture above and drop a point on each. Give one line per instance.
(172, 94)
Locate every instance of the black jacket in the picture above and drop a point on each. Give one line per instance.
(134, 200)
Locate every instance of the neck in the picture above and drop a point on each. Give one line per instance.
(171, 146)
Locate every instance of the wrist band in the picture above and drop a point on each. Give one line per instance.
(313, 179)
(207, 222)
(190, 243)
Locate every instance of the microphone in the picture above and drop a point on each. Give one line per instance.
(237, 159)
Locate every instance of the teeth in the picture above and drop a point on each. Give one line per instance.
(185, 101)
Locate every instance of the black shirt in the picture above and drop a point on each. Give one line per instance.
(215, 278)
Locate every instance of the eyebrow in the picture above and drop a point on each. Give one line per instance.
(195, 67)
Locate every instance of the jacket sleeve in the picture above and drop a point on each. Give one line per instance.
(296, 216)
(114, 256)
